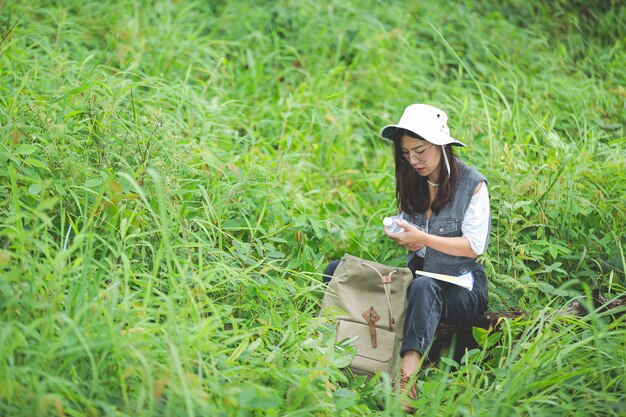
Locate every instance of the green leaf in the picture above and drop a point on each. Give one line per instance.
(496, 354)
(480, 335)
(343, 398)
(254, 397)
(34, 189)
(275, 254)
(94, 182)
(37, 163)
(449, 362)
(252, 290)
(26, 149)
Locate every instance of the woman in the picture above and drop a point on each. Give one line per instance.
(444, 205)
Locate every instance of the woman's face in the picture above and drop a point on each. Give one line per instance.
(423, 156)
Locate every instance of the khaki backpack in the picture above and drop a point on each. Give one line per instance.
(368, 302)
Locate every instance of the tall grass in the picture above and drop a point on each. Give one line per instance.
(175, 175)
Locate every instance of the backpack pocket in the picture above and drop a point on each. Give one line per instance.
(369, 359)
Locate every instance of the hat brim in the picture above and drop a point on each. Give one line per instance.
(390, 132)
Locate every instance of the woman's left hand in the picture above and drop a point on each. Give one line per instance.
(411, 239)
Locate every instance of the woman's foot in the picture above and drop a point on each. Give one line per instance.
(408, 390)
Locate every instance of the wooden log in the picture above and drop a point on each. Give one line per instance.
(453, 340)
(600, 303)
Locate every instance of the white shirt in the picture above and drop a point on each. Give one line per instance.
(475, 226)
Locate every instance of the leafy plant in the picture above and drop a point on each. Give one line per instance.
(174, 176)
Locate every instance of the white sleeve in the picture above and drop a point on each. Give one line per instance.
(475, 226)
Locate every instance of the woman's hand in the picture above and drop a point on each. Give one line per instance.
(412, 238)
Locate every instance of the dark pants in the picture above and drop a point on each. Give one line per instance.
(329, 271)
(431, 301)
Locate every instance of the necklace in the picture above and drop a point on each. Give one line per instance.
(432, 184)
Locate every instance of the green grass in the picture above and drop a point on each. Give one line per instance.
(175, 175)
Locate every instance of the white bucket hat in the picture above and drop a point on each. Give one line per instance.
(426, 121)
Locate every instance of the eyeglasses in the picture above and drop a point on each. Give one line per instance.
(420, 156)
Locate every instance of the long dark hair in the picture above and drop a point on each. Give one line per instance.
(412, 189)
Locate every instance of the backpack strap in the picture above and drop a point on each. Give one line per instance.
(371, 317)
(386, 281)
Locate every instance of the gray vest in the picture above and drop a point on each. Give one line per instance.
(448, 223)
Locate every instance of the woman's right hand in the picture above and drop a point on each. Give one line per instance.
(411, 239)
